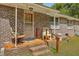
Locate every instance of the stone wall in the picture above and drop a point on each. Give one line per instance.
(64, 27)
(40, 21)
(5, 31)
(19, 51)
(9, 13)
(7, 21)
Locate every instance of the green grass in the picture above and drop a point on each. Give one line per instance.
(70, 48)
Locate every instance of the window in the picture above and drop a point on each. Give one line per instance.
(77, 23)
(57, 22)
(28, 18)
(51, 22)
(28, 25)
(70, 24)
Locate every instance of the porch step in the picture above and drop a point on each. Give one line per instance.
(40, 50)
(37, 48)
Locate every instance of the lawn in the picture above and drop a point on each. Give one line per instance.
(70, 48)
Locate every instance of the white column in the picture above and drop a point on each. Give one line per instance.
(33, 24)
(16, 26)
(54, 25)
(24, 23)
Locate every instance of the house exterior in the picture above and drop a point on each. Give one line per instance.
(29, 17)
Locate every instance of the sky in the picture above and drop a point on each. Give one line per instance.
(48, 4)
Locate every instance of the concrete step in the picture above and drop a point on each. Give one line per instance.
(42, 52)
(38, 48)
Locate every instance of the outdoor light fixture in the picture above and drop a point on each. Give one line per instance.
(30, 8)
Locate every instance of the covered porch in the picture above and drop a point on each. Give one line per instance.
(25, 25)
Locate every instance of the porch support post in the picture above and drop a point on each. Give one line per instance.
(16, 26)
(33, 23)
(74, 27)
(54, 25)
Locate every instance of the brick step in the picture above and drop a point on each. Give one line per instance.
(38, 48)
(42, 52)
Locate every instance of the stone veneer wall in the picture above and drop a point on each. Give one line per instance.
(7, 18)
(40, 21)
(9, 13)
(5, 32)
(63, 27)
(19, 51)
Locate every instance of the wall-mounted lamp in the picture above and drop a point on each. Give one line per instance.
(30, 8)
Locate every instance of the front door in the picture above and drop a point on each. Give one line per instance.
(28, 25)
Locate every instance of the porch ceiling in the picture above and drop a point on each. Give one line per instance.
(40, 9)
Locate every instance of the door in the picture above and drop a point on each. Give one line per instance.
(28, 25)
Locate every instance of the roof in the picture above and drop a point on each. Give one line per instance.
(40, 9)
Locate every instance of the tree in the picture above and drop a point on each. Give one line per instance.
(71, 9)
